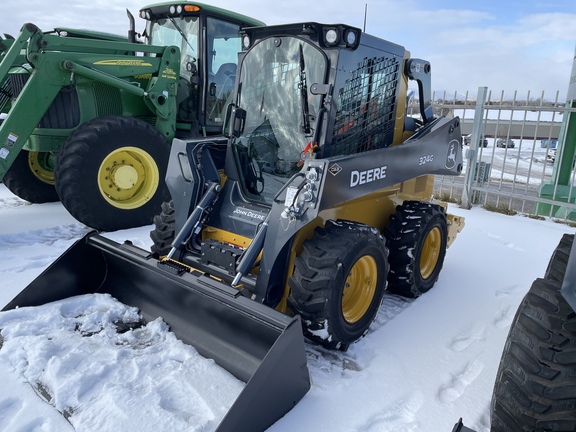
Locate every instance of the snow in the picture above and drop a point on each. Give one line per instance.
(424, 363)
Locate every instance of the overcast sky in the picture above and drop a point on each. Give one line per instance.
(505, 45)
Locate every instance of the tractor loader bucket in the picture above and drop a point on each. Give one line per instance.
(257, 344)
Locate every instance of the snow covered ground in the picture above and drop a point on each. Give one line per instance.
(424, 364)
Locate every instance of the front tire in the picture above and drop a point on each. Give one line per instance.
(164, 229)
(534, 388)
(110, 173)
(417, 237)
(31, 177)
(338, 283)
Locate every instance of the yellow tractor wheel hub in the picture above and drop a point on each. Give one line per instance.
(128, 178)
(430, 252)
(41, 165)
(359, 289)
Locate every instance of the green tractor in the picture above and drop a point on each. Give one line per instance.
(89, 117)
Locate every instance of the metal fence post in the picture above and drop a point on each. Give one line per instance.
(472, 153)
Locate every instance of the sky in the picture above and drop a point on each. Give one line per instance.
(511, 46)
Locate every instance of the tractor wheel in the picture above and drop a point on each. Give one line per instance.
(416, 234)
(559, 260)
(110, 173)
(31, 177)
(164, 229)
(534, 388)
(338, 282)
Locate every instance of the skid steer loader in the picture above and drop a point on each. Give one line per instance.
(317, 201)
(90, 115)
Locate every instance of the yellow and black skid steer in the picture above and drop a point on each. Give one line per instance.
(316, 200)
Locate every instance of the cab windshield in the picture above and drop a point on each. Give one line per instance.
(181, 32)
(221, 44)
(281, 112)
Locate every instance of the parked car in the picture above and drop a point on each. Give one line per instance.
(467, 138)
(544, 143)
(504, 143)
(552, 157)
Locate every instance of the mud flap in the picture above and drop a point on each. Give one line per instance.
(257, 344)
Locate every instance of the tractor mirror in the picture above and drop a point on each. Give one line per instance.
(238, 121)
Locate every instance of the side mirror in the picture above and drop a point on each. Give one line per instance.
(234, 121)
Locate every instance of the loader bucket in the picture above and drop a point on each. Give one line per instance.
(257, 344)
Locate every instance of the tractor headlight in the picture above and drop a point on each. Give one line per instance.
(246, 41)
(172, 9)
(331, 36)
(350, 36)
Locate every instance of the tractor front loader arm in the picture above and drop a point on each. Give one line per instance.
(12, 54)
(24, 116)
(56, 62)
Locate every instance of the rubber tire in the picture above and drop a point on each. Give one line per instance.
(559, 259)
(406, 234)
(319, 279)
(164, 229)
(81, 156)
(22, 182)
(534, 388)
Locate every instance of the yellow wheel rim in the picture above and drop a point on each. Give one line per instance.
(42, 166)
(430, 252)
(359, 289)
(128, 178)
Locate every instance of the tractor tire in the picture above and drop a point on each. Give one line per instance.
(110, 173)
(559, 260)
(338, 282)
(416, 236)
(534, 388)
(164, 229)
(31, 177)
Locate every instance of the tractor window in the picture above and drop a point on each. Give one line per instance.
(183, 33)
(223, 47)
(275, 81)
(365, 116)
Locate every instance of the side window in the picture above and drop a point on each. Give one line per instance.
(223, 46)
(365, 116)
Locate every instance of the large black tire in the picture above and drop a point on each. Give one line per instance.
(416, 236)
(559, 259)
(338, 282)
(164, 229)
(31, 177)
(110, 173)
(534, 388)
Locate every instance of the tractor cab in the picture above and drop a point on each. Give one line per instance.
(209, 42)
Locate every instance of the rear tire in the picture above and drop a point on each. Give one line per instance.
(416, 236)
(534, 388)
(338, 283)
(110, 173)
(164, 229)
(31, 177)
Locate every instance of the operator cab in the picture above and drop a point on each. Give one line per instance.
(310, 90)
(201, 32)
